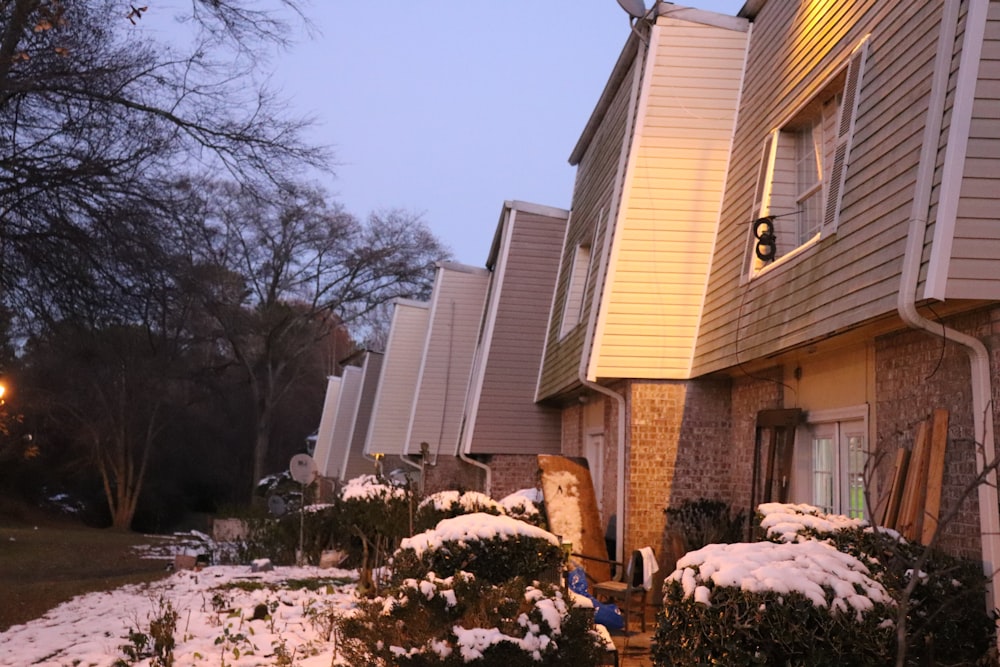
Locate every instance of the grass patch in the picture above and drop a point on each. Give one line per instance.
(43, 567)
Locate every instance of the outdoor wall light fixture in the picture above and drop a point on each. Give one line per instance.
(763, 231)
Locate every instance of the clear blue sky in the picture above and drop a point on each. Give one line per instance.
(448, 108)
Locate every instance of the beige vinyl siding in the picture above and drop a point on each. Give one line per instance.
(455, 317)
(974, 270)
(671, 200)
(343, 424)
(397, 384)
(325, 463)
(592, 197)
(503, 417)
(355, 463)
(851, 277)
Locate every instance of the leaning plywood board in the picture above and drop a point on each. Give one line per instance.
(571, 510)
(935, 475)
(911, 513)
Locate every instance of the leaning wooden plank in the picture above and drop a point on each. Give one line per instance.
(895, 495)
(935, 475)
(912, 510)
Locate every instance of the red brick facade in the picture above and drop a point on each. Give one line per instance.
(679, 435)
(512, 472)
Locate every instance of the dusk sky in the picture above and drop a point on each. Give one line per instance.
(447, 109)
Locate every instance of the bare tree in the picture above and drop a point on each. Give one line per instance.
(104, 392)
(96, 120)
(296, 269)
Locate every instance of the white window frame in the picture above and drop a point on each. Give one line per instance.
(838, 424)
(777, 169)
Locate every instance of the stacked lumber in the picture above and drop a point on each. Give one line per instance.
(913, 505)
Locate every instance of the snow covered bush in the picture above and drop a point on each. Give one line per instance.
(449, 504)
(524, 505)
(376, 513)
(773, 604)
(493, 548)
(467, 593)
(528, 505)
(823, 589)
(944, 617)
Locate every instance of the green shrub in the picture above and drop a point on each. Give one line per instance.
(276, 538)
(773, 604)
(462, 620)
(703, 521)
(376, 514)
(765, 628)
(493, 548)
(449, 504)
(946, 620)
(526, 505)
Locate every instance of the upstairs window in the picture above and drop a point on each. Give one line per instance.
(573, 308)
(802, 169)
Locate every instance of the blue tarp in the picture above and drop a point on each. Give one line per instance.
(605, 613)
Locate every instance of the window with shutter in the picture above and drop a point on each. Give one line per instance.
(800, 180)
(573, 306)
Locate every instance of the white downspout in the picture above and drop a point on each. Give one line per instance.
(982, 407)
(488, 482)
(595, 302)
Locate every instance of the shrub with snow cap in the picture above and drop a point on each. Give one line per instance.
(824, 590)
(526, 505)
(764, 603)
(449, 504)
(785, 522)
(495, 548)
(468, 593)
(828, 578)
(376, 513)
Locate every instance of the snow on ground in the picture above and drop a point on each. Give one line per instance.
(215, 620)
(216, 606)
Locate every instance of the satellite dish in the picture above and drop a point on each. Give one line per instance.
(303, 468)
(635, 8)
(276, 506)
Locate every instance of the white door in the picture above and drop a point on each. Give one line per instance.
(593, 450)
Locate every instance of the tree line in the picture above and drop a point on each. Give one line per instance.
(173, 289)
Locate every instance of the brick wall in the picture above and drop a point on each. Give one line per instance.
(916, 373)
(750, 394)
(513, 472)
(572, 430)
(451, 472)
(678, 450)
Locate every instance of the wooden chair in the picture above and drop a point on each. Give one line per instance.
(630, 587)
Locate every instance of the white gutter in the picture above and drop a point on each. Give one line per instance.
(979, 359)
(592, 315)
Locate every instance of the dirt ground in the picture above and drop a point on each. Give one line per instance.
(46, 561)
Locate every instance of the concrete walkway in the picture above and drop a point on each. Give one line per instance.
(637, 652)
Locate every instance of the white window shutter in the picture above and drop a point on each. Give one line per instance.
(845, 134)
(761, 200)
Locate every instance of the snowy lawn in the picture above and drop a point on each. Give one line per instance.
(215, 620)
